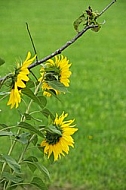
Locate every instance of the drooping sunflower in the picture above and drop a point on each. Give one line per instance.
(19, 79)
(58, 143)
(56, 70)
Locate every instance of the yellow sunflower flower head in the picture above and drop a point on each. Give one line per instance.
(19, 80)
(55, 70)
(58, 143)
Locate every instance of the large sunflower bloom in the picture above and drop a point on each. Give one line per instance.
(55, 70)
(19, 80)
(58, 143)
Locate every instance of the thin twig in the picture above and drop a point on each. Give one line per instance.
(105, 9)
(33, 44)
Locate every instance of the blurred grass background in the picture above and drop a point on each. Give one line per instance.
(97, 98)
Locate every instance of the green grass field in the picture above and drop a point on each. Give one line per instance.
(97, 98)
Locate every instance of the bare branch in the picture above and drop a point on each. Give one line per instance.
(58, 51)
(66, 45)
(105, 9)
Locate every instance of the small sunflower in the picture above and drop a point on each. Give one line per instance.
(19, 80)
(55, 70)
(58, 143)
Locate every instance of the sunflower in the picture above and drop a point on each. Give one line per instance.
(19, 80)
(56, 70)
(58, 143)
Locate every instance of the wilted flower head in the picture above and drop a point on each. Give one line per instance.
(57, 143)
(19, 80)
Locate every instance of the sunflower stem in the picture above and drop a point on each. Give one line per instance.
(7, 184)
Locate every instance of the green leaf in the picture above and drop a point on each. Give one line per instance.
(32, 166)
(47, 113)
(27, 116)
(12, 178)
(30, 128)
(96, 29)
(23, 138)
(43, 169)
(30, 84)
(4, 93)
(57, 86)
(53, 93)
(31, 163)
(3, 125)
(40, 100)
(78, 21)
(12, 163)
(40, 149)
(38, 183)
(1, 61)
(30, 94)
(32, 159)
(5, 133)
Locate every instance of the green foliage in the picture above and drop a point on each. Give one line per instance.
(38, 183)
(30, 127)
(6, 133)
(34, 164)
(87, 18)
(23, 138)
(97, 98)
(12, 163)
(13, 178)
(58, 86)
(40, 100)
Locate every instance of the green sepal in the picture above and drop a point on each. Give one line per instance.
(53, 129)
